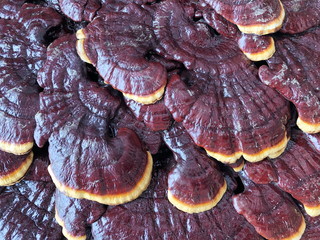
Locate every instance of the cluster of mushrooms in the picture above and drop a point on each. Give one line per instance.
(169, 119)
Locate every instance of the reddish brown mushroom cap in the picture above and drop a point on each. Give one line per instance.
(195, 183)
(255, 47)
(121, 62)
(252, 17)
(271, 212)
(153, 217)
(293, 71)
(76, 215)
(300, 15)
(85, 161)
(205, 107)
(27, 208)
(22, 54)
(296, 171)
(13, 167)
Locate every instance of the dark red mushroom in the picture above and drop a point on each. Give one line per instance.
(10, 8)
(293, 71)
(27, 208)
(300, 15)
(195, 183)
(273, 214)
(13, 167)
(76, 215)
(255, 47)
(153, 217)
(253, 17)
(22, 53)
(121, 60)
(74, 116)
(296, 171)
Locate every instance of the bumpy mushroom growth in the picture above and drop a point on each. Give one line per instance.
(222, 104)
(195, 183)
(153, 217)
(252, 17)
(300, 15)
(27, 208)
(121, 61)
(75, 215)
(74, 116)
(255, 47)
(10, 8)
(293, 71)
(296, 171)
(273, 214)
(21, 55)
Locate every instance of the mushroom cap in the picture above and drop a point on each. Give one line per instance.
(272, 213)
(121, 62)
(255, 47)
(75, 215)
(85, 161)
(22, 54)
(253, 17)
(152, 216)
(27, 208)
(293, 71)
(296, 171)
(195, 183)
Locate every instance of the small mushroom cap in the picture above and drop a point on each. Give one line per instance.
(252, 17)
(273, 214)
(75, 215)
(195, 183)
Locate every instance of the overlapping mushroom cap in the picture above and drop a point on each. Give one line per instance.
(121, 61)
(27, 208)
(74, 116)
(254, 17)
(195, 183)
(222, 103)
(296, 171)
(293, 71)
(22, 54)
(272, 212)
(255, 47)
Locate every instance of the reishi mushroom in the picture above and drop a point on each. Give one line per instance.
(176, 89)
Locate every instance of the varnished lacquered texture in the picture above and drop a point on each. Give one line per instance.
(153, 217)
(293, 71)
(222, 83)
(254, 17)
(76, 215)
(296, 171)
(255, 47)
(195, 184)
(27, 208)
(273, 214)
(21, 55)
(121, 61)
(85, 161)
(13, 167)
